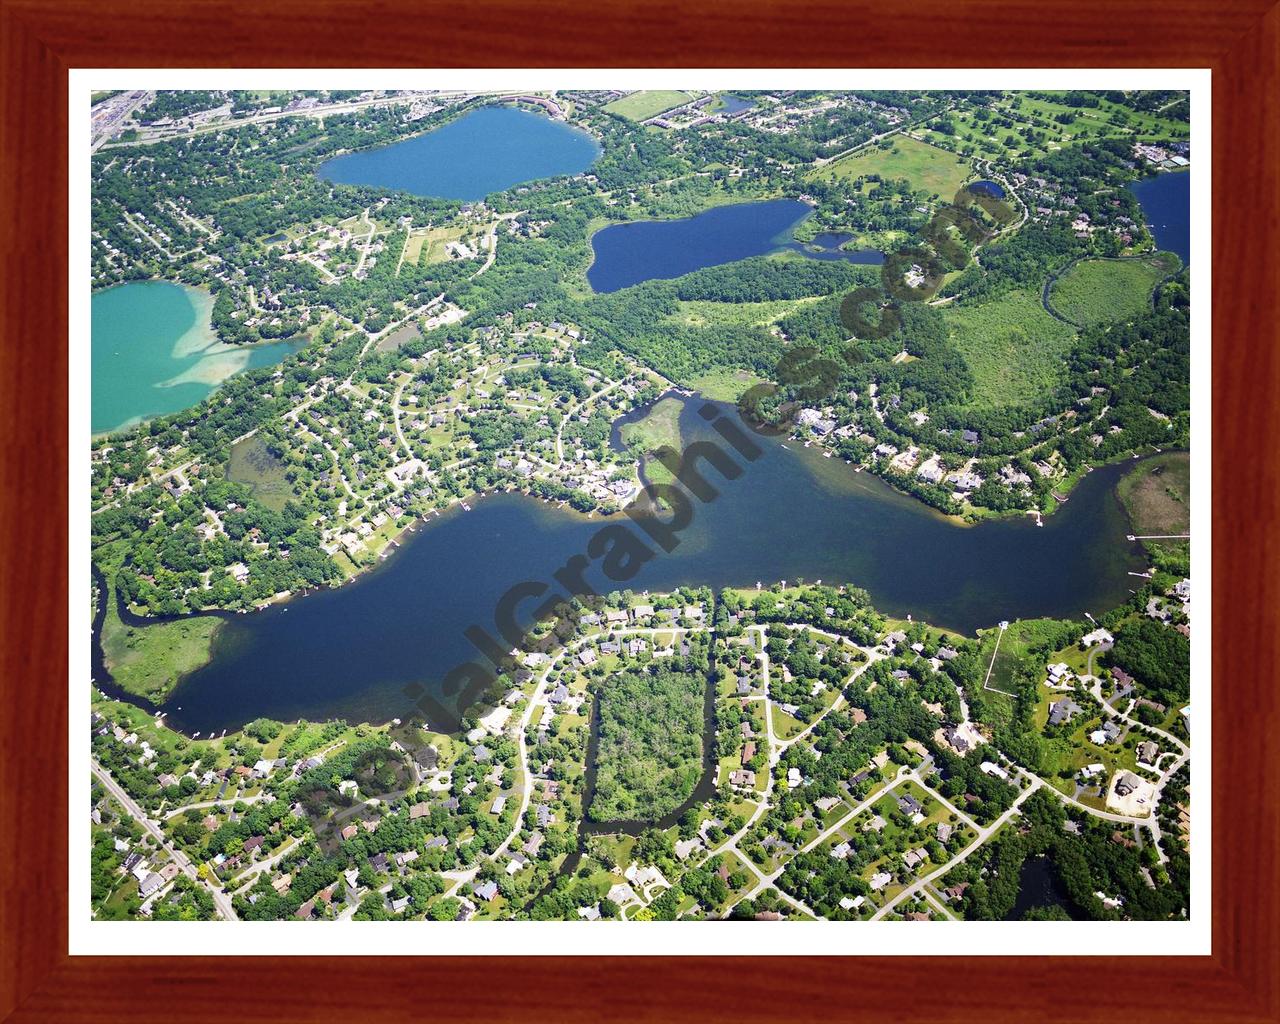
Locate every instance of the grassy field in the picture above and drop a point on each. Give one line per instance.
(1012, 346)
(661, 426)
(723, 384)
(428, 246)
(1105, 120)
(700, 313)
(1099, 291)
(928, 168)
(1157, 494)
(1010, 661)
(148, 662)
(1034, 131)
(414, 245)
(253, 465)
(640, 106)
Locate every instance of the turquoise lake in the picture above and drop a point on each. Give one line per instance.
(487, 150)
(154, 352)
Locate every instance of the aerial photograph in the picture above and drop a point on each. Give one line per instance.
(660, 505)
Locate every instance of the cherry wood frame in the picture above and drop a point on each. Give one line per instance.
(41, 39)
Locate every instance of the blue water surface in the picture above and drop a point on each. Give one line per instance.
(487, 150)
(626, 254)
(1166, 202)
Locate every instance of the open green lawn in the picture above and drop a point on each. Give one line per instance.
(429, 246)
(784, 726)
(148, 660)
(1099, 291)
(1021, 636)
(977, 138)
(1010, 662)
(640, 106)
(1012, 346)
(1105, 120)
(700, 313)
(1021, 127)
(928, 168)
(115, 907)
(1157, 494)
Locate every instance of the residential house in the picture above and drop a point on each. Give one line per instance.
(915, 857)
(1062, 711)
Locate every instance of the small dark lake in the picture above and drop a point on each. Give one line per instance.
(792, 514)
(1038, 886)
(1166, 202)
(626, 254)
(730, 104)
(827, 246)
(486, 150)
(991, 188)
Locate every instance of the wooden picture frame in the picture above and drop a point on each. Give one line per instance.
(41, 39)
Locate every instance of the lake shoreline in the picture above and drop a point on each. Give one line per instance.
(744, 234)
(468, 172)
(201, 359)
(409, 541)
(385, 556)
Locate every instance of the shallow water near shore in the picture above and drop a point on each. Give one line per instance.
(154, 352)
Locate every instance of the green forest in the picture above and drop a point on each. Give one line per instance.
(651, 742)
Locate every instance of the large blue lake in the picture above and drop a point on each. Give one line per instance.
(486, 150)
(1166, 201)
(626, 254)
(792, 515)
